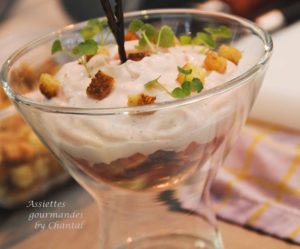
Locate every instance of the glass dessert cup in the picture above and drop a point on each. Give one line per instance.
(152, 189)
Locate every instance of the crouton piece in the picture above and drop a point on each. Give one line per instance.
(22, 176)
(12, 153)
(131, 36)
(49, 86)
(230, 53)
(101, 86)
(214, 62)
(138, 56)
(140, 99)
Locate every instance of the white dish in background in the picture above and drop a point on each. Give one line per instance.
(279, 99)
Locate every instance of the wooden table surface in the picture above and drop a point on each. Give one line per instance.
(16, 232)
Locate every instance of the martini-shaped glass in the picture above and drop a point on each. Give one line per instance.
(149, 168)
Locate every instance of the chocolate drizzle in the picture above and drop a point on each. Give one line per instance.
(116, 24)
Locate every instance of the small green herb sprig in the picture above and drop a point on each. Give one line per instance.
(187, 87)
(156, 84)
(88, 47)
(208, 38)
(150, 37)
(94, 27)
(185, 90)
(56, 47)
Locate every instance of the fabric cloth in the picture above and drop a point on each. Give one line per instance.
(259, 185)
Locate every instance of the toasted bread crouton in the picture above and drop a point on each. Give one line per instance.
(49, 86)
(214, 62)
(22, 176)
(230, 53)
(101, 86)
(137, 56)
(15, 153)
(197, 72)
(140, 99)
(131, 36)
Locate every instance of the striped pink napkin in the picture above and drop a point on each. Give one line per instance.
(259, 185)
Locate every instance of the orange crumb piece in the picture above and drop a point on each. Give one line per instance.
(230, 53)
(131, 36)
(140, 99)
(214, 62)
(101, 86)
(137, 56)
(22, 176)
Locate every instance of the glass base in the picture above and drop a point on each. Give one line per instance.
(173, 241)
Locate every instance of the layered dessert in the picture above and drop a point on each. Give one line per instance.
(145, 148)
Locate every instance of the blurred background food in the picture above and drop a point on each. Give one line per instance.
(27, 169)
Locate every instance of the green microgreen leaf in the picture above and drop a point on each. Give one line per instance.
(185, 40)
(196, 85)
(156, 84)
(82, 61)
(183, 91)
(89, 32)
(93, 27)
(136, 25)
(142, 43)
(56, 47)
(219, 32)
(203, 50)
(145, 41)
(152, 83)
(184, 71)
(150, 32)
(101, 24)
(89, 47)
(179, 93)
(187, 86)
(202, 38)
(165, 37)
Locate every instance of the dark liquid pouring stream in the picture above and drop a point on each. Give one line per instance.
(116, 24)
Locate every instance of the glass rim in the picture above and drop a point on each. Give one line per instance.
(224, 87)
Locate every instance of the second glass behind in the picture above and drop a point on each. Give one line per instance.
(150, 168)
